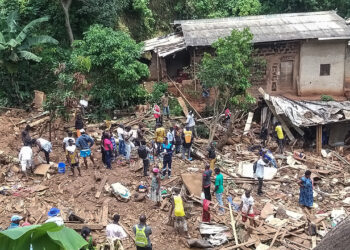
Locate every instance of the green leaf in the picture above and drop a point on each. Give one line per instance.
(2, 38)
(29, 27)
(72, 240)
(37, 40)
(29, 56)
(11, 21)
(13, 43)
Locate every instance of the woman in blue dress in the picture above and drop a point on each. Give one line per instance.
(306, 190)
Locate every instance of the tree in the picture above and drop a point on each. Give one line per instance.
(115, 67)
(15, 46)
(227, 71)
(45, 236)
(66, 5)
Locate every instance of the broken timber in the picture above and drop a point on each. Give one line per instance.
(278, 117)
(102, 184)
(79, 226)
(248, 123)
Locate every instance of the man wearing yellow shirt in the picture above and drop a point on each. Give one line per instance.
(280, 136)
(159, 136)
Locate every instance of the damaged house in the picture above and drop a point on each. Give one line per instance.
(307, 55)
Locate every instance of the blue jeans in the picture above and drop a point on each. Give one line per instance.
(108, 158)
(167, 164)
(219, 200)
(122, 147)
(166, 111)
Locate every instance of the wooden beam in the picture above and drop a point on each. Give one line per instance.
(240, 245)
(275, 237)
(102, 184)
(104, 218)
(79, 226)
(278, 117)
(248, 123)
(233, 224)
(318, 139)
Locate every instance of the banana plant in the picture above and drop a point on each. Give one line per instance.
(16, 46)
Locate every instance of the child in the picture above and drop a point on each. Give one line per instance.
(73, 157)
(26, 158)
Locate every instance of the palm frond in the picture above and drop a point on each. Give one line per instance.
(2, 47)
(12, 21)
(29, 56)
(2, 38)
(13, 43)
(29, 27)
(37, 40)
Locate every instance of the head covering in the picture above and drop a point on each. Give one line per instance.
(16, 218)
(53, 212)
(155, 170)
(82, 130)
(71, 149)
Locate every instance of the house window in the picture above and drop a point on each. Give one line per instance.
(325, 69)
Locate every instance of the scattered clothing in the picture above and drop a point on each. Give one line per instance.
(306, 192)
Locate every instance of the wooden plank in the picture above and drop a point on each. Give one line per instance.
(183, 105)
(275, 237)
(248, 123)
(278, 117)
(102, 184)
(79, 226)
(42, 169)
(104, 218)
(313, 241)
(318, 139)
(193, 183)
(169, 181)
(233, 224)
(240, 245)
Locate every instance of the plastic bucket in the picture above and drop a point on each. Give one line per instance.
(61, 168)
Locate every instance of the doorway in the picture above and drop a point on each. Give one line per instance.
(286, 75)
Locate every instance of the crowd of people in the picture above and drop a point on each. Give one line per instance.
(157, 157)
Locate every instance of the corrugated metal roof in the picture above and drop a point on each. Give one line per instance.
(165, 45)
(267, 28)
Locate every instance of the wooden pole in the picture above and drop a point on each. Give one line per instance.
(233, 224)
(318, 139)
(157, 65)
(194, 69)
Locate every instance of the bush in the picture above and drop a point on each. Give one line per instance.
(159, 88)
(326, 98)
(202, 131)
(175, 108)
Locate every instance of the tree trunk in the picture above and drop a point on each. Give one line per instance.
(65, 5)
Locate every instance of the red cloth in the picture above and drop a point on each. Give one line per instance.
(156, 110)
(227, 113)
(107, 142)
(245, 217)
(206, 213)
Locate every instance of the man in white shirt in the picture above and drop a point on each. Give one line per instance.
(171, 135)
(53, 215)
(260, 173)
(246, 207)
(115, 232)
(26, 159)
(190, 123)
(65, 142)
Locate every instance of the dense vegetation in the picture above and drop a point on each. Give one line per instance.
(92, 48)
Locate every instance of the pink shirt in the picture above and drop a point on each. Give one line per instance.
(156, 111)
(107, 142)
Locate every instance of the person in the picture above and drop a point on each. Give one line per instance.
(45, 146)
(156, 113)
(159, 137)
(227, 116)
(280, 136)
(190, 123)
(79, 124)
(139, 135)
(128, 144)
(72, 156)
(179, 213)
(120, 131)
(53, 215)
(115, 232)
(267, 154)
(165, 104)
(219, 189)
(167, 151)
(26, 139)
(171, 135)
(187, 139)
(84, 144)
(86, 234)
(26, 159)
(206, 211)
(66, 139)
(206, 182)
(142, 232)
(259, 172)
(143, 152)
(212, 155)
(155, 187)
(246, 207)
(306, 190)
(15, 221)
(178, 140)
(263, 135)
(107, 149)
(114, 144)
(103, 136)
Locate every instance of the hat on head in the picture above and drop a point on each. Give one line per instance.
(16, 217)
(53, 212)
(82, 130)
(155, 170)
